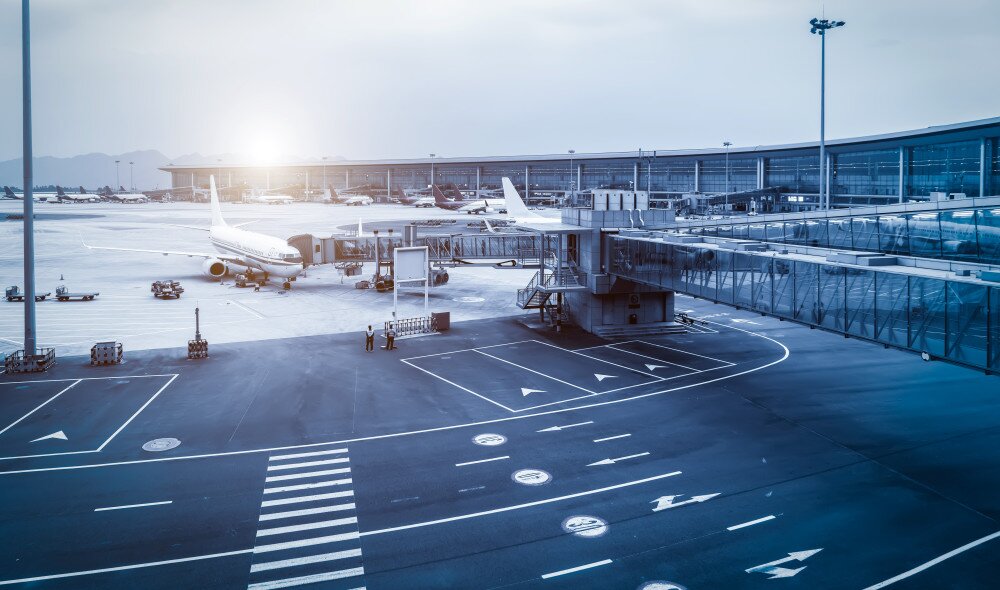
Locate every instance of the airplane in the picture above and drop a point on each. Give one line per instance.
(82, 197)
(270, 199)
(123, 197)
(469, 207)
(517, 211)
(36, 197)
(240, 251)
(415, 199)
(352, 200)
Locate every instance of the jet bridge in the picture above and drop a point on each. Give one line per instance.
(942, 309)
(523, 249)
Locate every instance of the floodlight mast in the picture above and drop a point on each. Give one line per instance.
(30, 343)
(820, 27)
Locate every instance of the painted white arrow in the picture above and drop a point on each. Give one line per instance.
(655, 367)
(601, 377)
(766, 568)
(664, 502)
(557, 428)
(60, 435)
(613, 461)
(781, 572)
(525, 391)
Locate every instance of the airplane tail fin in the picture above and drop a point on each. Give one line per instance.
(9, 193)
(512, 201)
(439, 197)
(216, 208)
(489, 226)
(83, 191)
(361, 232)
(59, 191)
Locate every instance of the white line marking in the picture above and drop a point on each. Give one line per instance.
(523, 368)
(241, 306)
(786, 353)
(611, 437)
(357, 571)
(612, 461)
(273, 565)
(305, 512)
(465, 350)
(519, 506)
(453, 384)
(751, 523)
(134, 506)
(481, 461)
(306, 527)
(558, 428)
(471, 489)
(339, 470)
(711, 358)
(308, 486)
(307, 464)
(312, 454)
(305, 542)
(300, 499)
(652, 358)
(124, 567)
(132, 417)
(15, 422)
(935, 561)
(607, 362)
(91, 379)
(576, 569)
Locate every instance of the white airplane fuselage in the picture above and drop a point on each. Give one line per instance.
(257, 251)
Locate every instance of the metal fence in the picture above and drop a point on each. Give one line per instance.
(954, 320)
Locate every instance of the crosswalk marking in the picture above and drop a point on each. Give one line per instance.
(306, 512)
(307, 526)
(306, 542)
(312, 454)
(312, 498)
(307, 464)
(309, 559)
(337, 471)
(308, 486)
(357, 571)
(328, 521)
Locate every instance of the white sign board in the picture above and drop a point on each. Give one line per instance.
(410, 264)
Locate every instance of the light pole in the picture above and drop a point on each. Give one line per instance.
(29, 202)
(117, 181)
(432, 169)
(131, 175)
(820, 27)
(572, 186)
(727, 144)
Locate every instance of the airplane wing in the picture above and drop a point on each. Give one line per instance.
(223, 257)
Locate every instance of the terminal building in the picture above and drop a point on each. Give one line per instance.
(960, 160)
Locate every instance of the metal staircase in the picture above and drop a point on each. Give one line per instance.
(538, 290)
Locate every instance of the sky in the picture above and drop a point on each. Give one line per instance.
(389, 78)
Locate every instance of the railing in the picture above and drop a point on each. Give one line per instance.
(524, 295)
(411, 326)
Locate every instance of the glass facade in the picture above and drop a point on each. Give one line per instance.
(967, 235)
(865, 172)
(953, 320)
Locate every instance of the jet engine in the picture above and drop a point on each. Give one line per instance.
(213, 267)
(959, 247)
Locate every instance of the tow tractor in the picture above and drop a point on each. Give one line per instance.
(167, 289)
(14, 294)
(64, 294)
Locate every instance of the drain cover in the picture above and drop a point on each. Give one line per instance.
(161, 444)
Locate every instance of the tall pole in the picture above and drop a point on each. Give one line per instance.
(131, 175)
(572, 188)
(30, 344)
(727, 144)
(823, 197)
(117, 182)
(324, 173)
(821, 27)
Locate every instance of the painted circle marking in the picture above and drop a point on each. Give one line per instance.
(469, 299)
(661, 585)
(489, 439)
(161, 444)
(589, 527)
(531, 477)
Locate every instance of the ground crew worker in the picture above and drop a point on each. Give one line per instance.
(370, 340)
(390, 337)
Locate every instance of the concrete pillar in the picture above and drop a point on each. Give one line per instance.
(388, 181)
(192, 179)
(902, 173)
(988, 154)
(432, 172)
(347, 178)
(479, 173)
(697, 175)
(635, 177)
(527, 184)
(983, 168)
(579, 174)
(760, 172)
(307, 181)
(230, 178)
(829, 174)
